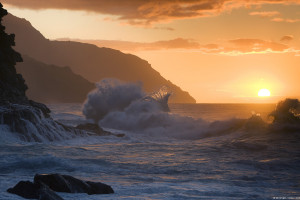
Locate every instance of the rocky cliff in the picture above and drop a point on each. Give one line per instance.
(12, 85)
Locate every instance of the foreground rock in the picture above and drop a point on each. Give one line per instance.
(45, 186)
(29, 190)
(69, 184)
(94, 128)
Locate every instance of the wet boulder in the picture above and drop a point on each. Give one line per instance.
(69, 184)
(29, 190)
(94, 128)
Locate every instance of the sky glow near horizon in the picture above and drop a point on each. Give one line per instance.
(222, 52)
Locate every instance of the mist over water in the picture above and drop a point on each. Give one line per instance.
(193, 151)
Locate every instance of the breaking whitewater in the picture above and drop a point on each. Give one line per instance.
(177, 151)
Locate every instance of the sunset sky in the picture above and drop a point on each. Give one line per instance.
(217, 50)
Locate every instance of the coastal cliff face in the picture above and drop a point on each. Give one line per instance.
(18, 114)
(12, 85)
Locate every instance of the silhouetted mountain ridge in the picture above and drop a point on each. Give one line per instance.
(88, 60)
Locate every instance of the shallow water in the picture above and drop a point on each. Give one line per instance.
(240, 164)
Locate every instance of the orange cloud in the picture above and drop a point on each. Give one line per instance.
(287, 38)
(147, 12)
(269, 14)
(265, 13)
(279, 19)
(257, 45)
(253, 46)
(178, 43)
(231, 47)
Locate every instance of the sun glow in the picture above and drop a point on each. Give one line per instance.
(264, 93)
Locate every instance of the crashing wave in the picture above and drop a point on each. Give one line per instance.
(114, 95)
(124, 106)
(110, 95)
(161, 97)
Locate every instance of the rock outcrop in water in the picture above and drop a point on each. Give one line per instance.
(29, 190)
(45, 186)
(95, 128)
(26, 119)
(69, 184)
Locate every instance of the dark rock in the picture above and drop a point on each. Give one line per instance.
(94, 128)
(69, 184)
(45, 193)
(46, 111)
(25, 189)
(99, 188)
(12, 85)
(29, 190)
(119, 135)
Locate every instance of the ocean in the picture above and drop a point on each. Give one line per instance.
(195, 151)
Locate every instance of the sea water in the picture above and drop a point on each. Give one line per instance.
(226, 161)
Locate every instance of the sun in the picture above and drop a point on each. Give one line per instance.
(264, 93)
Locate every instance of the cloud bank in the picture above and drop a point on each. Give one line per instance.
(288, 20)
(177, 43)
(275, 16)
(265, 13)
(147, 12)
(230, 47)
